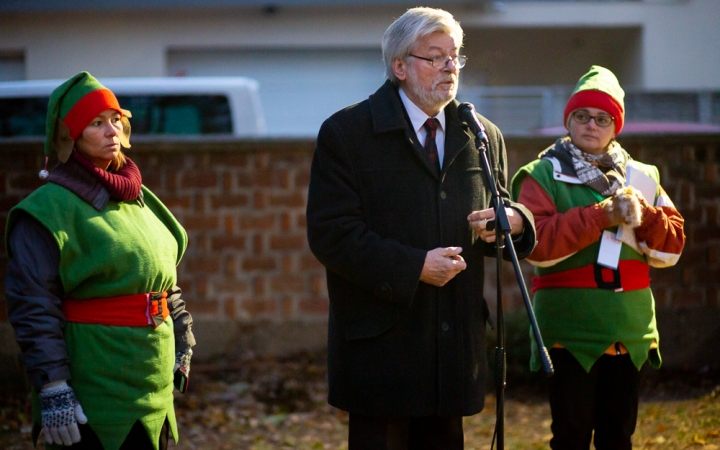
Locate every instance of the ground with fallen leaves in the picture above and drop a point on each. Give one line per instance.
(262, 403)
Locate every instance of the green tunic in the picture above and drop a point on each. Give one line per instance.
(588, 321)
(120, 374)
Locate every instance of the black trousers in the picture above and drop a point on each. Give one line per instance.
(604, 400)
(137, 439)
(413, 433)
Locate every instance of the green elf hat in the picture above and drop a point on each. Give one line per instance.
(599, 88)
(72, 106)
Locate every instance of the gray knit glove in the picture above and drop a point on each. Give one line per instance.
(182, 370)
(61, 413)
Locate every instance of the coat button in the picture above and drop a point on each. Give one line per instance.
(445, 326)
(443, 195)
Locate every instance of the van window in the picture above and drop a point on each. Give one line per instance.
(151, 114)
(23, 116)
(178, 114)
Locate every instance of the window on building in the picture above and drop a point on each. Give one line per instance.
(715, 117)
(12, 66)
(661, 107)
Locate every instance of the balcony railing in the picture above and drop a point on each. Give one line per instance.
(533, 110)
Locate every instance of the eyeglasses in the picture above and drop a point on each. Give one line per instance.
(601, 121)
(440, 62)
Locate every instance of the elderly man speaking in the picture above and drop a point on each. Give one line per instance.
(397, 212)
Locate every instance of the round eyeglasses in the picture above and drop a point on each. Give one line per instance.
(603, 121)
(441, 62)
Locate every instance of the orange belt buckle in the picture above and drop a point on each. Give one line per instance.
(157, 309)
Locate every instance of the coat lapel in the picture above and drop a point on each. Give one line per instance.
(457, 136)
(388, 114)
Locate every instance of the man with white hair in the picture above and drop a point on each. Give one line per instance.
(397, 212)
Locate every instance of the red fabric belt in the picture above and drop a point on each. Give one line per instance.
(630, 275)
(137, 310)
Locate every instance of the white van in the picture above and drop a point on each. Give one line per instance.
(159, 106)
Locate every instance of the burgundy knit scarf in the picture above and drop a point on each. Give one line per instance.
(122, 185)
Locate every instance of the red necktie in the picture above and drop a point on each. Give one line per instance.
(431, 126)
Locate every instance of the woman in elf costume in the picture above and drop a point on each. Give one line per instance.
(592, 294)
(91, 285)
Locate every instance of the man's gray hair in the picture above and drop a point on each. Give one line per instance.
(402, 35)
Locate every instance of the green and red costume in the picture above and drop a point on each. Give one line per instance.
(598, 322)
(88, 254)
(120, 374)
(588, 320)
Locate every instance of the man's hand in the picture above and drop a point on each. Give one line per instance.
(441, 265)
(61, 413)
(479, 221)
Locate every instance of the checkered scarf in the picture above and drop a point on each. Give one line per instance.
(604, 173)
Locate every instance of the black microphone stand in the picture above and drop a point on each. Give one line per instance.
(502, 229)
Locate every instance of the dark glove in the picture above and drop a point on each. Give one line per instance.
(182, 370)
(624, 207)
(61, 413)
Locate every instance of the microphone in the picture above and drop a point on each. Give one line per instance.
(466, 112)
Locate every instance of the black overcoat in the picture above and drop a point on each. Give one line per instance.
(398, 347)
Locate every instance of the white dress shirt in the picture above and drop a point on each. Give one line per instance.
(418, 118)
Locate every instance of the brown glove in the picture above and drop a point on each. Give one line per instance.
(624, 207)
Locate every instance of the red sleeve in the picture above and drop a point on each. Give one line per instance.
(560, 235)
(662, 229)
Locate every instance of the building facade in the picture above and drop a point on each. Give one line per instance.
(313, 57)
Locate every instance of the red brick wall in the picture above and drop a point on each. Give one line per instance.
(243, 205)
(244, 210)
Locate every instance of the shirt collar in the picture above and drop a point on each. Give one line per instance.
(417, 116)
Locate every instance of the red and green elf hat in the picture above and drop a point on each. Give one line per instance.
(72, 106)
(599, 88)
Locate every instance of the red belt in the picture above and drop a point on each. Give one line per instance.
(137, 310)
(630, 275)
